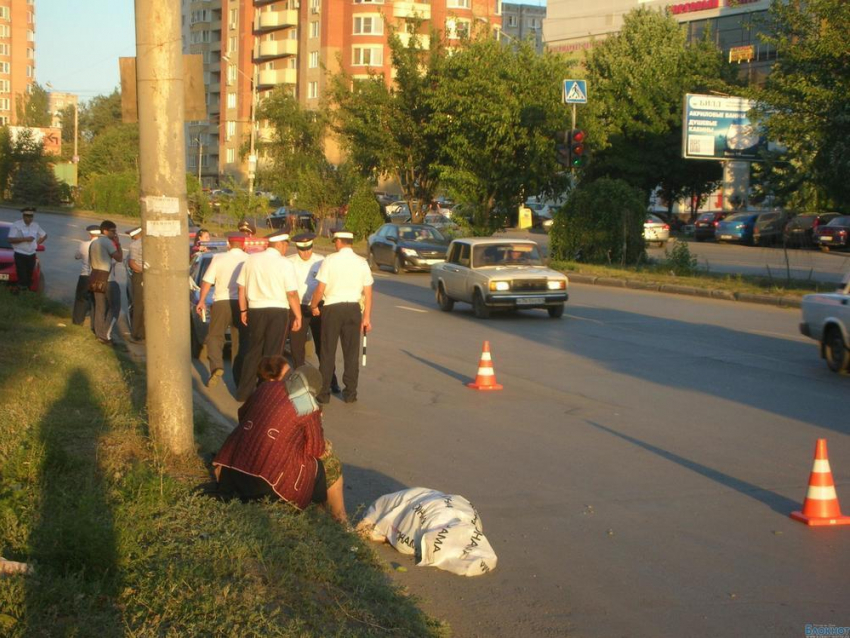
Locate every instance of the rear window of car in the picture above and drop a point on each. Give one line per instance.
(840, 221)
(706, 217)
(4, 237)
(652, 219)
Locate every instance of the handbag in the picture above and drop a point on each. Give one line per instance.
(98, 279)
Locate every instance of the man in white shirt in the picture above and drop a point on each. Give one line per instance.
(306, 264)
(82, 296)
(344, 278)
(223, 274)
(267, 291)
(135, 284)
(25, 236)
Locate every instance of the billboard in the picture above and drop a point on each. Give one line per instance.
(718, 128)
(49, 137)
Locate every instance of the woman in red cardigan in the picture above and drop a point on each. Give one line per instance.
(279, 449)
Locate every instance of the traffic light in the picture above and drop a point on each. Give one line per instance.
(562, 148)
(577, 154)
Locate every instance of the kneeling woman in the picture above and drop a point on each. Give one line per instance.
(278, 449)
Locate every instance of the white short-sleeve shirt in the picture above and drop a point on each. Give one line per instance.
(305, 273)
(223, 273)
(20, 229)
(267, 277)
(345, 275)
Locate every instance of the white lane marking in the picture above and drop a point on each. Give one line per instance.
(411, 309)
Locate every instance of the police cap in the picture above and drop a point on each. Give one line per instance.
(304, 241)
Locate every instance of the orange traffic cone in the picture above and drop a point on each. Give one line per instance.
(486, 379)
(821, 505)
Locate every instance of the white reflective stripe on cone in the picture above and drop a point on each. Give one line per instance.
(821, 466)
(822, 493)
(485, 356)
(485, 372)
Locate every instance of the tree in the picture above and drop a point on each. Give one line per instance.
(805, 103)
(497, 110)
(100, 113)
(364, 213)
(26, 171)
(639, 78)
(385, 129)
(113, 150)
(33, 108)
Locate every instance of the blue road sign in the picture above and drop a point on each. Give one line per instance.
(575, 92)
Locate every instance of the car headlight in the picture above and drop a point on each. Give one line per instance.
(410, 252)
(500, 286)
(556, 284)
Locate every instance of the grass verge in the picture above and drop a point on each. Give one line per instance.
(120, 541)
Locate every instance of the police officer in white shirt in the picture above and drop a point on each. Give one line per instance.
(25, 236)
(135, 283)
(344, 278)
(82, 296)
(306, 264)
(267, 287)
(223, 274)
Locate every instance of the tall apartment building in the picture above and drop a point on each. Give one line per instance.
(524, 21)
(251, 47)
(573, 26)
(58, 102)
(17, 55)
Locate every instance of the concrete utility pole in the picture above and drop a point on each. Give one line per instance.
(162, 185)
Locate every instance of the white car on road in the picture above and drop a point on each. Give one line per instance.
(826, 319)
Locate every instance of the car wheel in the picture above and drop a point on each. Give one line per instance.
(373, 264)
(835, 351)
(479, 307)
(398, 265)
(445, 302)
(195, 342)
(555, 312)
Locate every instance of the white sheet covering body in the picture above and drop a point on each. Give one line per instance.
(441, 530)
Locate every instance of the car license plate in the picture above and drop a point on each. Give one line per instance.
(4, 277)
(826, 238)
(725, 236)
(431, 262)
(527, 301)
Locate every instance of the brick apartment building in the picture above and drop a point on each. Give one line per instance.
(17, 55)
(265, 44)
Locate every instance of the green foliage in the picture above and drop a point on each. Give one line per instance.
(680, 261)
(100, 113)
(806, 104)
(113, 150)
(364, 213)
(112, 193)
(33, 108)
(26, 175)
(601, 222)
(634, 121)
(496, 112)
(199, 204)
(243, 204)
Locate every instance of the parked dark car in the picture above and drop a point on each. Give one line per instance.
(836, 234)
(407, 247)
(769, 227)
(291, 219)
(706, 224)
(756, 229)
(800, 231)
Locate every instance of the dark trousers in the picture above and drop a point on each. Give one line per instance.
(137, 312)
(298, 340)
(82, 300)
(224, 314)
(341, 322)
(107, 307)
(24, 266)
(266, 335)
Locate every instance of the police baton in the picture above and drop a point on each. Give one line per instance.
(364, 347)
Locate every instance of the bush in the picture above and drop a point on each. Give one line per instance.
(113, 193)
(364, 213)
(680, 261)
(602, 222)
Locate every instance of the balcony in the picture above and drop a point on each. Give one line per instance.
(424, 40)
(270, 49)
(412, 10)
(273, 20)
(276, 77)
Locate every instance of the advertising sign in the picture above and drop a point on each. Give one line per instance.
(50, 138)
(718, 128)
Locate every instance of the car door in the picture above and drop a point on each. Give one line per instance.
(387, 242)
(457, 269)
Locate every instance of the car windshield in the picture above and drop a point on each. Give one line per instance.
(507, 254)
(4, 237)
(419, 234)
(706, 217)
(840, 221)
(740, 217)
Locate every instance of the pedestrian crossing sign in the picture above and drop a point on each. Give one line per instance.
(575, 92)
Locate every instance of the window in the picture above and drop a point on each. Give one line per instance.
(314, 29)
(234, 18)
(4, 49)
(231, 74)
(312, 90)
(511, 21)
(368, 1)
(368, 25)
(4, 67)
(5, 104)
(231, 45)
(314, 60)
(532, 22)
(231, 100)
(230, 130)
(231, 155)
(457, 28)
(4, 13)
(457, 4)
(368, 56)
(5, 31)
(30, 53)
(5, 86)
(30, 35)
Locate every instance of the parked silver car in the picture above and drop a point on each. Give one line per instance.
(656, 230)
(498, 274)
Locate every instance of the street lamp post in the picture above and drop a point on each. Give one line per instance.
(252, 153)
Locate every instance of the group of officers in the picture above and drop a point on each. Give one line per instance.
(264, 296)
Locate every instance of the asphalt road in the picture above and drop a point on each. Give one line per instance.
(634, 476)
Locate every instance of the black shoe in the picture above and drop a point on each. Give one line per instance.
(106, 342)
(323, 398)
(335, 387)
(352, 398)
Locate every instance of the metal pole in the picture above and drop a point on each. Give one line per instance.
(252, 157)
(162, 186)
(574, 118)
(200, 160)
(76, 128)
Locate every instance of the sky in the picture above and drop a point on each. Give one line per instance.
(77, 44)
